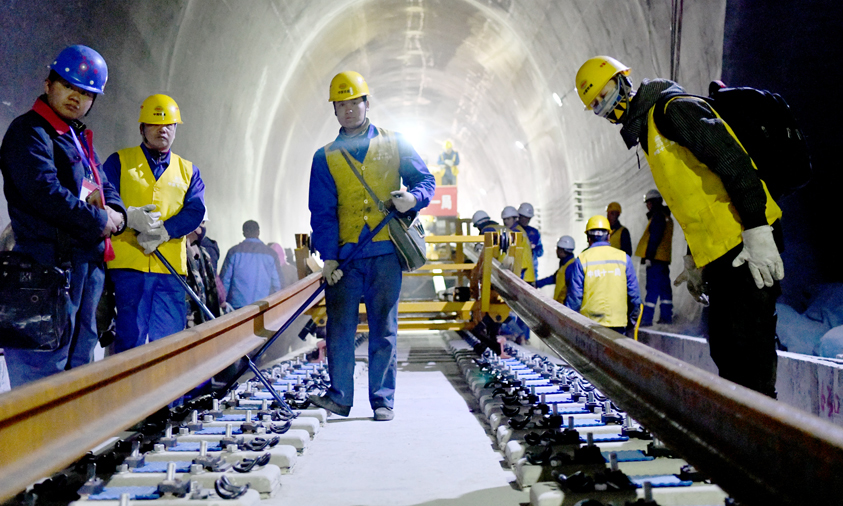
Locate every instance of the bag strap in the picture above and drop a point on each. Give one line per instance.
(382, 207)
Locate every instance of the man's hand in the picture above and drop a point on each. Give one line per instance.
(331, 273)
(143, 219)
(150, 241)
(762, 255)
(113, 223)
(403, 201)
(508, 262)
(693, 277)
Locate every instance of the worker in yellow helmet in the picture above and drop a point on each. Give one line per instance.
(450, 160)
(603, 285)
(711, 185)
(350, 180)
(619, 235)
(165, 198)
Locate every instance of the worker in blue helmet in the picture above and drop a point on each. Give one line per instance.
(63, 210)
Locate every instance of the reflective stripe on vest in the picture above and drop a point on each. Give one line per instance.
(379, 169)
(665, 248)
(604, 285)
(560, 292)
(697, 198)
(138, 187)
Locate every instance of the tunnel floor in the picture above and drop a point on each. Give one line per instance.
(435, 452)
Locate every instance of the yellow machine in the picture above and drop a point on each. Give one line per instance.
(463, 307)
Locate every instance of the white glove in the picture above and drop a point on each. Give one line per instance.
(762, 255)
(150, 241)
(449, 163)
(647, 263)
(403, 201)
(693, 277)
(330, 272)
(508, 262)
(143, 219)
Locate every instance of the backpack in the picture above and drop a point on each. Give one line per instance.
(767, 129)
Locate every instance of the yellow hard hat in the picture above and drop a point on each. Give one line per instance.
(594, 74)
(159, 110)
(346, 86)
(613, 206)
(449, 145)
(597, 222)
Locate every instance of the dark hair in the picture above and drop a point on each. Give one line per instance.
(251, 228)
(54, 76)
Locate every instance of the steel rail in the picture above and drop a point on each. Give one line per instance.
(758, 450)
(48, 424)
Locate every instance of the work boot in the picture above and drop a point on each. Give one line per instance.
(384, 414)
(325, 402)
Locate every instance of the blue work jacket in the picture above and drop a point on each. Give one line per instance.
(323, 195)
(42, 178)
(250, 272)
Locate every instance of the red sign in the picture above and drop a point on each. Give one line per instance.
(443, 203)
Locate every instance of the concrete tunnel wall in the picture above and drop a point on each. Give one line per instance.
(251, 80)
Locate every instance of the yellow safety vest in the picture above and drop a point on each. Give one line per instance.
(615, 237)
(528, 272)
(560, 292)
(138, 187)
(697, 198)
(604, 297)
(664, 250)
(379, 169)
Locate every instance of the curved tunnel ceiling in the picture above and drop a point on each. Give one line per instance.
(251, 79)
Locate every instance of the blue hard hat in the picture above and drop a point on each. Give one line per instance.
(82, 67)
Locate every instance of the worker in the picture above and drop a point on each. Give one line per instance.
(515, 326)
(655, 249)
(62, 208)
(166, 199)
(730, 221)
(565, 253)
(525, 214)
(342, 212)
(602, 284)
(510, 215)
(449, 160)
(619, 235)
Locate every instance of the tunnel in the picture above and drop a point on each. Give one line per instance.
(495, 77)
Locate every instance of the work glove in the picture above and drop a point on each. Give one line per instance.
(693, 277)
(143, 219)
(508, 262)
(762, 255)
(403, 201)
(449, 163)
(150, 241)
(330, 272)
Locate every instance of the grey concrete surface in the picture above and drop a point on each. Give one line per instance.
(435, 451)
(812, 384)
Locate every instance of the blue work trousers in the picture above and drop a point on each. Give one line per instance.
(658, 287)
(377, 280)
(148, 305)
(86, 282)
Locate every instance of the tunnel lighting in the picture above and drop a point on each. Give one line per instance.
(414, 134)
(520, 145)
(557, 99)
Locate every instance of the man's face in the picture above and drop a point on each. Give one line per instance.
(650, 203)
(612, 216)
(509, 222)
(605, 101)
(158, 137)
(524, 220)
(68, 101)
(560, 253)
(351, 113)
